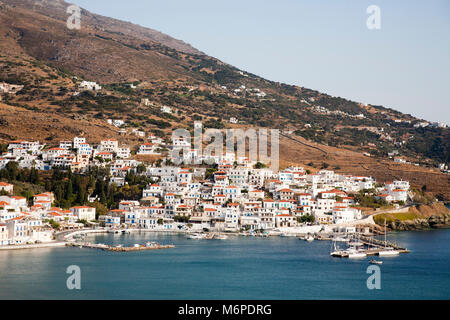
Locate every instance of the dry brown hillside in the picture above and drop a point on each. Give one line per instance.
(38, 51)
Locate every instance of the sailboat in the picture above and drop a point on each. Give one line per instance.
(387, 252)
(336, 251)
(354, 252)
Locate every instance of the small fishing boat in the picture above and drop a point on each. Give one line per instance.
(375, 262)
(309, 238)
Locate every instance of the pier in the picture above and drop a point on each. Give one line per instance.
(368, 252)
(105, 247)
(373, 248)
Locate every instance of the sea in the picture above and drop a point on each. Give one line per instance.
(280, 268)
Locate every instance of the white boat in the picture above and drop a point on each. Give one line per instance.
(375, 262)
(388, 252)
(196, 236)
(337, 253)
(341, 239)
(309, 238)
(356, 254)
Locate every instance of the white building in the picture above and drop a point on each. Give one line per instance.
(84, 213)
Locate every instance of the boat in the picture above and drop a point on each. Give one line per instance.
(337, 252)
(152, 244)
(309, 238)
(387, 252)
(356, 254)
(196, 236)
(375, 262)
(208, 236)
(341, 239)
(126, 232)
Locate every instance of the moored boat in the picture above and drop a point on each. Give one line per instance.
(356, 254)
(196, 236)
(388, 252)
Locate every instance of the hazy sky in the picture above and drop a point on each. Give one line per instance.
(319, 44)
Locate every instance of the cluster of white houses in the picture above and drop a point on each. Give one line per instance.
(21, 223)
(240, 197)
(77, 154)
(234, 196)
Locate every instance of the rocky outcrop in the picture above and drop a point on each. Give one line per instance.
(421, 217)
(433, 222)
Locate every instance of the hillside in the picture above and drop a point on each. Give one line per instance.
(38, 51)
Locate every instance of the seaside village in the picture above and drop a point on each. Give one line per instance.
(233, 197)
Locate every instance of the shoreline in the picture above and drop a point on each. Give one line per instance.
(64, 238)
(54, 244)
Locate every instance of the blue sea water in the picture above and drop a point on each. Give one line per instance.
(237, 268)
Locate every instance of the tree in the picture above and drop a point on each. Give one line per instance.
(100, 209)
(84, 222)
(260, 165)
(55, 225)
(306, 218)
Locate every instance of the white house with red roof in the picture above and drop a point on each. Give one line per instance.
(148, 148)
(152, 190)
(52, 153)
(7, 187)
(46, 196)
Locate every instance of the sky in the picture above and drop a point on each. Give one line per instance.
(323, 45)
